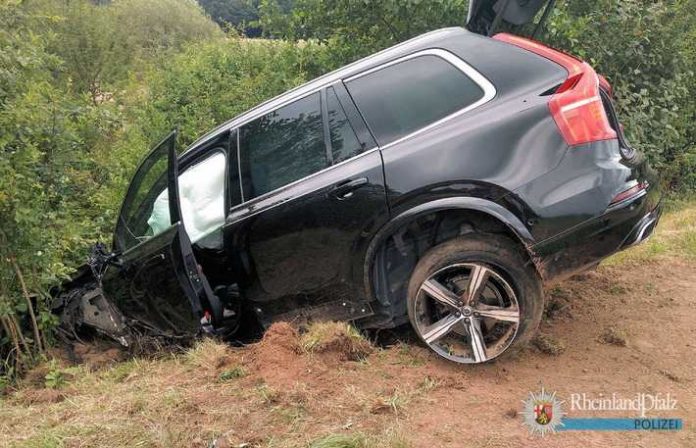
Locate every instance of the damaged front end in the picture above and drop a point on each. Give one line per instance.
(151, 283)
(83, 307)
(87, 307)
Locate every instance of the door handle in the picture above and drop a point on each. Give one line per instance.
(345, 190)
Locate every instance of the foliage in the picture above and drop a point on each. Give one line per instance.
(239, 14)
(96, 48)
(56, 123)
(55, 378)
(86, 87)
(648, 57)
(356, 28)
(210, 83)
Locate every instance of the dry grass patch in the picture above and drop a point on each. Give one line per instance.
(675, 236)
(548, 344)
(210, 355)
(391, 438)
(613, 336)
(338, 338)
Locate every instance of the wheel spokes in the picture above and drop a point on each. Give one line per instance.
(437, 291)
(458, 310)
(440, 328)
(478, 277)
(509, 314)
(478, 347)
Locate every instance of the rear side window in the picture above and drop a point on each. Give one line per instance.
(282, 147)
(344, 142)
(404, 97)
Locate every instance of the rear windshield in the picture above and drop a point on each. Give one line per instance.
(402, 98)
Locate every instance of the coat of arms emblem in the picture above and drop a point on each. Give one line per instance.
(542, 412)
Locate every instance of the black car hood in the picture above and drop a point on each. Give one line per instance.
(486, 16)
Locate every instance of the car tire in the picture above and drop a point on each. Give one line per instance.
(474, 298)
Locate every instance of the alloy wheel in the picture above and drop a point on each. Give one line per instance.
(467, 312)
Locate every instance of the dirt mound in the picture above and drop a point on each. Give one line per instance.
(277, 357)
(98, 355)
(281, 336)
(336, 339)
(283, 358)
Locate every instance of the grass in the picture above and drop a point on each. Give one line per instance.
(613, 336)
(341, 441)
(548, 344)
(235, 372)
(675, 237)
(391, 438)
(339, 338)
(320, 334)
(191, 398)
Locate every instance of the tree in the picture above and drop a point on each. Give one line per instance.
(239, 14)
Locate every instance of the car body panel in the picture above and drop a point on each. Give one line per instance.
(310, 234)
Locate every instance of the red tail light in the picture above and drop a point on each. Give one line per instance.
(632, 192)
(576, 106)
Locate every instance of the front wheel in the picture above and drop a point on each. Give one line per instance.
(473, 298)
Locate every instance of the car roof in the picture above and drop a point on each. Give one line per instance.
(437, 38)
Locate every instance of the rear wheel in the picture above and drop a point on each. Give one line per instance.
(474, 298)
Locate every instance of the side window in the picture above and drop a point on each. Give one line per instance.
(404, 97)
(282, 147)
(344, 142)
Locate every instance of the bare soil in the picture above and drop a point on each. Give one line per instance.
(623, 329)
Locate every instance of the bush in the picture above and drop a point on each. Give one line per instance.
(58, 60)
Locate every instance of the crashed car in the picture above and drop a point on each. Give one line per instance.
(440, 182)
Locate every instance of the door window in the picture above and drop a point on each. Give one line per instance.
(344, 142)
(402, 98)
(282, 146)
(150, 179)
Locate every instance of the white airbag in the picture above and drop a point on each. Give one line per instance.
(202, 193)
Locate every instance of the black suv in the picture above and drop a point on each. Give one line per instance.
(442, 181)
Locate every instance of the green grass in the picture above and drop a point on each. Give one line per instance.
(235, 372)
(341, 441)
(675, 237)
(391, 438)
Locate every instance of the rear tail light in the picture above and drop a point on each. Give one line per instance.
(575, 106)
(633, 192)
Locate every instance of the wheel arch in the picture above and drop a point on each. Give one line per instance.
(459, 210)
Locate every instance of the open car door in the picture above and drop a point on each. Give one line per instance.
(486, 16)
(156, 282)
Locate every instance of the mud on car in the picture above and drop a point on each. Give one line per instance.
(441, 182)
